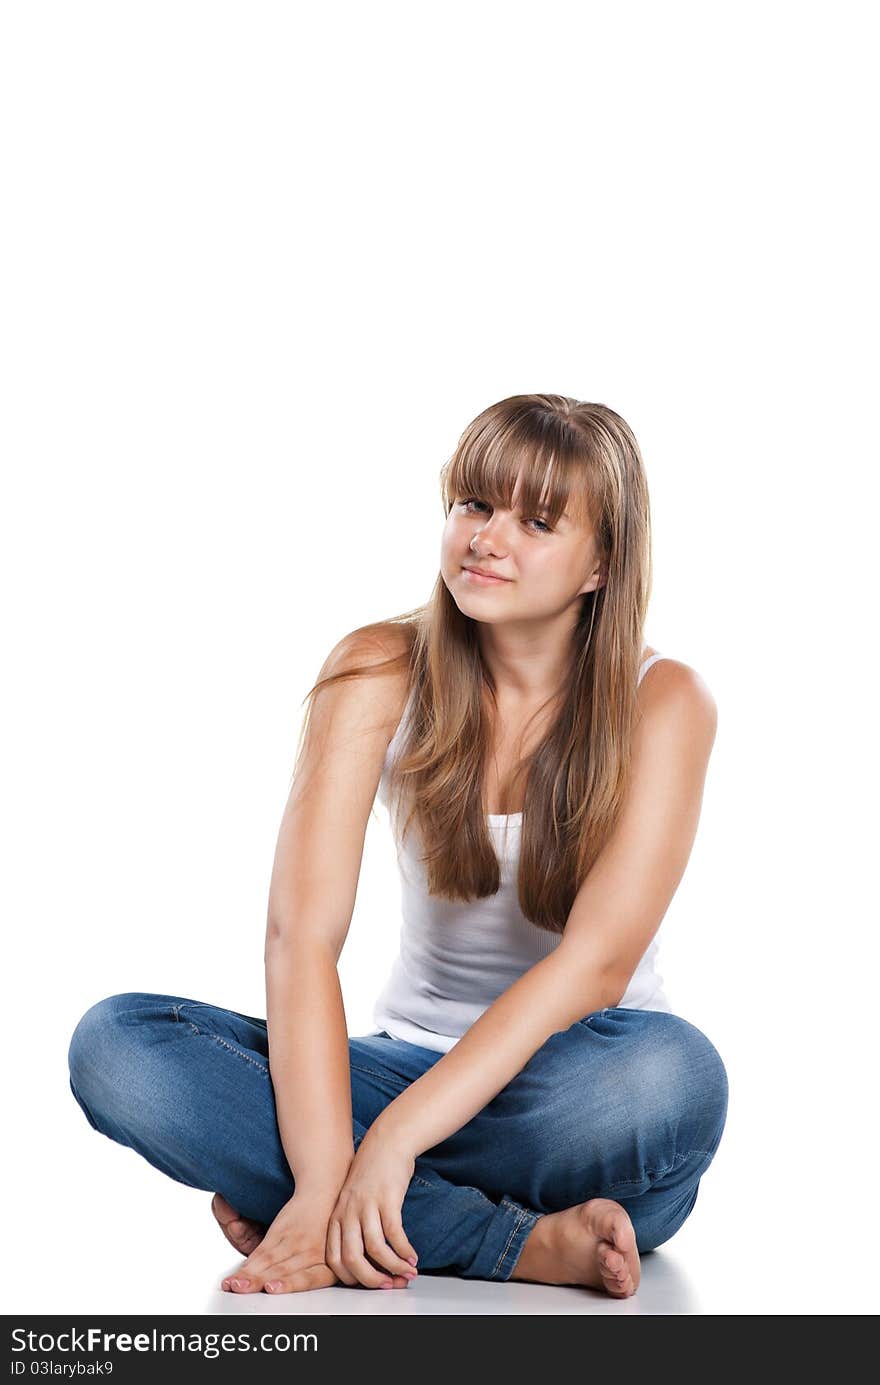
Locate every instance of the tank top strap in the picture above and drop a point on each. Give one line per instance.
(652, 659)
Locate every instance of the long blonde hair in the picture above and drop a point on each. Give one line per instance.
(576, 777)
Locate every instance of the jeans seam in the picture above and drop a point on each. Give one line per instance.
(586, 1019)
(519, 1218)
(383, 1076)
(474, 1193)
(217, 1040)
(655, 1173)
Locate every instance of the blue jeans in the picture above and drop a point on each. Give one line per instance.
(624, 1104)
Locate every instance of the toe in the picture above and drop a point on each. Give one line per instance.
(616, 1270)
(624, 1235)
(611, 1258)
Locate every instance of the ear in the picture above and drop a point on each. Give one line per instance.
(597, 578)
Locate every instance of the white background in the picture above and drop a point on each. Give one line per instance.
(262, 263)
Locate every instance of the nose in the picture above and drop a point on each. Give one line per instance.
(491, 533)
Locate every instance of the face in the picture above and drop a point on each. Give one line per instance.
(545, 569)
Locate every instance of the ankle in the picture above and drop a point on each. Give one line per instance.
(532, 1258)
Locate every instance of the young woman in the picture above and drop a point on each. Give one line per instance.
(527, 1106)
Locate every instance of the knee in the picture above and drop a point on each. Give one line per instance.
(710, 1089)
(97, 1052)
(688, 1070)
(94, 1030)
(670, 1078)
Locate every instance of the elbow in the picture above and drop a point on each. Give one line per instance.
(614, 995)
(276, 937)
(590, 984)
(614, 985)
(608, 990)
(296, 942)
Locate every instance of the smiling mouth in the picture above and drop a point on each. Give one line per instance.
(478, 576)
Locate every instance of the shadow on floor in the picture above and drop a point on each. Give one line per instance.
(664, 1289)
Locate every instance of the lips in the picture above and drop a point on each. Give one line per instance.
(482, 572)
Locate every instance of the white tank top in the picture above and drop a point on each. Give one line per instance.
(457, 957)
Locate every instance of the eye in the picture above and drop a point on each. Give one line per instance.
(545, 528)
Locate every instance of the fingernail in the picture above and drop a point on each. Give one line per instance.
(275, 1285)
(386, 1285)
(413, 1259)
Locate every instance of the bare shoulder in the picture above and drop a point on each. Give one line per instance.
(338, 770)
(377, 657)
(674, 695)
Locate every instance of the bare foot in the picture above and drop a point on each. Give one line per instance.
(241, 1232)
(593, 1243)
(246, 1235)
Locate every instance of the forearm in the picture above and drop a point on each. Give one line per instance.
(309, 1062)
(550, 996)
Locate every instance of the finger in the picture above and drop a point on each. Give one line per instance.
(333, 1254)
(381, 1252)
(354, 1259)
(398, 1281)
(395, 1234)
(402, 1244)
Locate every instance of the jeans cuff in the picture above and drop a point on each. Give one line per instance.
(502, 1245)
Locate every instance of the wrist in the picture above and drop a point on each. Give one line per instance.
(323, 1184)
(388, 1130)
(323, 1195)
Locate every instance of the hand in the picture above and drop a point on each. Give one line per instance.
(367, 1213)
(291, 1254)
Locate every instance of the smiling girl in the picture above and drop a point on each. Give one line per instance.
(527, 1105)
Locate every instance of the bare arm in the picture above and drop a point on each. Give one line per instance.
(311, 901)
(550, 996)
(616, 912)
(309, 1064)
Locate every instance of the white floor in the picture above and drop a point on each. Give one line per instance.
(113, 1235)
(664, 1289)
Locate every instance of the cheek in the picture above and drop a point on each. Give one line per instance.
(545, 566)
(548, 575)
(456, 537)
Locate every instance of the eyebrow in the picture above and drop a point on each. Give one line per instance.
(544, 509)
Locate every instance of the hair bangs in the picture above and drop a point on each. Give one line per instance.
(545, 471)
